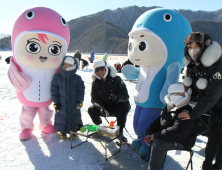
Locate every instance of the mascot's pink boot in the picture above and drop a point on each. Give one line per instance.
(26, 134)
(49, 129)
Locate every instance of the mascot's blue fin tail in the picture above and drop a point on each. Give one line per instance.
(172, 76)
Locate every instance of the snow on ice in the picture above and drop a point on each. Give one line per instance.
(52, 153)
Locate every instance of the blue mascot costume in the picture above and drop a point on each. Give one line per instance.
(156, 43)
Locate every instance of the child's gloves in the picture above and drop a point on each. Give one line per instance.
(103, 111)
(57, 106)
(79, 105)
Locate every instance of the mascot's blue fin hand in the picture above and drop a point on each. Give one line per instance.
(130, 72)
(172, 76)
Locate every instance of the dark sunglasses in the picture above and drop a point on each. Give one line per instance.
(99, 69)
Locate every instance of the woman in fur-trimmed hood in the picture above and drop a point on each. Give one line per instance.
(108, 94)
(204, 70)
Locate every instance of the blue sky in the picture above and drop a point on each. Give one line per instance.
(71, 9)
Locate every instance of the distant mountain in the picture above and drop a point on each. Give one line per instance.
(215, 16)
(125, 18)
(107, 31)
(97, 35)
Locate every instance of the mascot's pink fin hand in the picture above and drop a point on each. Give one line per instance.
(18, 79)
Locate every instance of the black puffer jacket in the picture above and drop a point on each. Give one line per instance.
(101, 90)
(67, 88)
(211, 96)
(207, 83)
(170, 128)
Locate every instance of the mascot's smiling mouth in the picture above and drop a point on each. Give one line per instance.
(137, 59)
(42, 59)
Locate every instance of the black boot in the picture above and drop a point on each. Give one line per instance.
(123, 138)
(214, 167)
(206, 166)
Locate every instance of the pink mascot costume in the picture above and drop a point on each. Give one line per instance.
(40, 40)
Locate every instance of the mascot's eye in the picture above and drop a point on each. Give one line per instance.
(30, 15)
(167, 17)
(33, 47)
(63, 21)
(130, 46)
(143, 46)
(55, 49)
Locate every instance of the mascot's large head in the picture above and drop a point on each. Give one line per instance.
(157, 38)
(40, 38)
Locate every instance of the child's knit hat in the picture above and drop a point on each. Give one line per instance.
(69, 60)
(176, 88)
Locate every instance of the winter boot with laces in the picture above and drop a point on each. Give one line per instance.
(62, 135)
(73, 137)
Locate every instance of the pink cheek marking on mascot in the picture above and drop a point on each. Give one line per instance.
(29, 58)
(55, 60)
(39, 20)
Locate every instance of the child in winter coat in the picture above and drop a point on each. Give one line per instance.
(67, 90)
(168, 132)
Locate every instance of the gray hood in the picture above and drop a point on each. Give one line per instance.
(64, 72)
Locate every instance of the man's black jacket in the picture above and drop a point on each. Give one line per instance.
(170, 128)
(101, 91)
